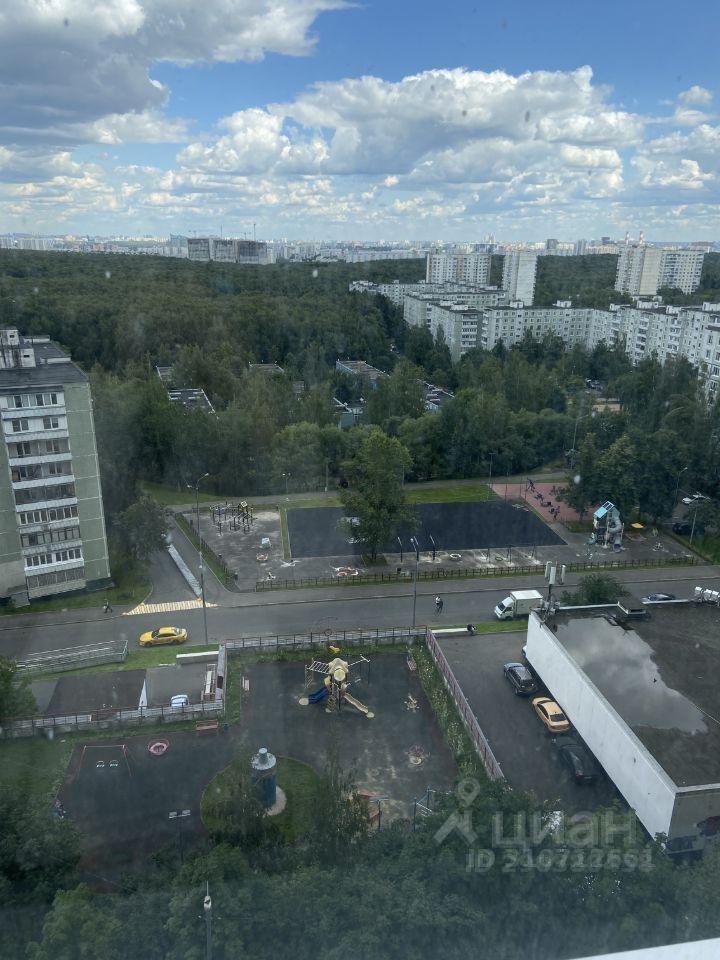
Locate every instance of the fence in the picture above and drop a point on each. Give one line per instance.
(467, 716)
(107, 718)
(70, 658)
(471, 573)
(216, 563)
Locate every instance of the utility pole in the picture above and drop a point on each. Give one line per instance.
(415, 578)
(207, 911)
(200, 553)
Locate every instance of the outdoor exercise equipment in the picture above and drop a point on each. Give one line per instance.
(336, 680)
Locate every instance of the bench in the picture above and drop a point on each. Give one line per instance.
(206, 726)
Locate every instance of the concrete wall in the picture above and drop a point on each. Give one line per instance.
(81, 430)
(636, 774)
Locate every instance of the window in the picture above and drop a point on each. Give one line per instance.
(51, 423)
(54, 446)
(17, 401)
(20, 425)
(22, 449)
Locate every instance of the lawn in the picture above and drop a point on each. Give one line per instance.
(33, 767)
(171, 497)
(452, 493)
(297, 780)
(135, 660)
(128, 589)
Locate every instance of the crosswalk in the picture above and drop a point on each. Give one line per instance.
(170, 606)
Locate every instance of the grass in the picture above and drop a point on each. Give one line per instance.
(210, 558)
(297, 780)
(468, 493)
(136, 660)
(170, 497)
(707, 545)
(130, 588)
(501, 626)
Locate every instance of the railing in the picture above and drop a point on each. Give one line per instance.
(216, 563)
(99, 719)
(467, 716)
(470, 573)
(70, 658)
(338, 638)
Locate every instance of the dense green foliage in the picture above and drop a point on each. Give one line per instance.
(16, 699)
(588, 281)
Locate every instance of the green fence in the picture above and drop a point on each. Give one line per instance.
(469, 573)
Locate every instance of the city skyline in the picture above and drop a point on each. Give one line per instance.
(324, 119)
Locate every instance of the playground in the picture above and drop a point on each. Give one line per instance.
(314, 532)
(131, 795)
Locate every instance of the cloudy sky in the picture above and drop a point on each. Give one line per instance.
(369, 119)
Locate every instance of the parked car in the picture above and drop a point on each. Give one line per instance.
(577, 758)
(551, 715)
(179, 701)
(658, 597)
(684, 528)
(520, 679)
(154, 638)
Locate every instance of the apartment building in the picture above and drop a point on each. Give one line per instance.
(417, 307)
(398, 292)
(459, 325)
(459, 267)
(229, 250)
(519, 272)
(52, 526)
(642, 269)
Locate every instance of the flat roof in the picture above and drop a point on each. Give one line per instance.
(661, 676)
(44, 373)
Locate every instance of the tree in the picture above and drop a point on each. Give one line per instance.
(16, 699)
(141, 529)
(297, 453)
(595, 588)
(375, 493)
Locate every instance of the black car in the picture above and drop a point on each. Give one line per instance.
(520, 678)
(577, 758)
(684, 528)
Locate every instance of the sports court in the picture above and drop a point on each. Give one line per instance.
(314, 532)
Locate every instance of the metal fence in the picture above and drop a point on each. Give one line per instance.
(467, 716)
(471, 573)
(223, 573)
(106, 718)
(71, 658)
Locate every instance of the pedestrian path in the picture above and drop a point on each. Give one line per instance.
(170, 606)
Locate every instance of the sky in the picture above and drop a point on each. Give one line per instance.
(384, 119)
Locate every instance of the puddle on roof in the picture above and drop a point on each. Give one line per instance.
(619, 662)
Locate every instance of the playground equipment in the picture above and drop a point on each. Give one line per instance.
(336, 680)
(239, 516)
(607, 526)
(264, 776)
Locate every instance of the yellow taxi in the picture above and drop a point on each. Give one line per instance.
(154, 638)
(551, 715)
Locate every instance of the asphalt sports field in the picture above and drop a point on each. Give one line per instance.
(314, 532)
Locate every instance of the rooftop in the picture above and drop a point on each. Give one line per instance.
(660, 675)
(52, 367)
(361, 369)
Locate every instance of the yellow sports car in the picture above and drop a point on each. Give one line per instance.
(551, 715)
(163, 635)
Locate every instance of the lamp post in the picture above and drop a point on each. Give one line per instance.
(582, 416)
(677, 487)
(200, 553)
(414, 542)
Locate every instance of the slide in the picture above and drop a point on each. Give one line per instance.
(318, 695)
(356, 703)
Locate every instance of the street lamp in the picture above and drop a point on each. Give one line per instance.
(582, 416)
(677, 486)
(200, 553)
(414, 542)
(287, 477)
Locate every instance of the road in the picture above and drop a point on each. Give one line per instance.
(334, 608)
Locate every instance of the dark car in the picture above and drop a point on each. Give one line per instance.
(577, 758)
(658, 597)
(684, 528)
(520, 679)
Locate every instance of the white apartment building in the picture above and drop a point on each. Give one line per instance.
(458, 267)
(459, 325)
(417, 306)
(519, 271)
(642, 269)
(398, 292)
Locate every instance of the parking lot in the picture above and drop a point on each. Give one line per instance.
(518, 739)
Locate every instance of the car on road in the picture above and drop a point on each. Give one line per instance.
(684, 528)
(577, 758)
(154, 638)
(658, 597)
(551, 715)
(693, 498)
(520, 679)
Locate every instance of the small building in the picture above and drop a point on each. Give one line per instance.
(266, 369)
(359, 368)
(643, 694)
(192, 398)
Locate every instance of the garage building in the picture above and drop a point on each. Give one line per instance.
(644, 695)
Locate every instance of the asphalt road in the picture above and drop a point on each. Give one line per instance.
(334, 608)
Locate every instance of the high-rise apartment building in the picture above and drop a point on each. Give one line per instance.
(229, 250)
(519, 271)
(458, 267)
(52, 526)
(642, 269)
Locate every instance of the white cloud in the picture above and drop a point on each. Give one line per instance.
(695, 96)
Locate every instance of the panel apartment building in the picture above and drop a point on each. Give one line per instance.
(52, 526)
(228, 250)
(642, 270)
(458, 267)
(519, 272)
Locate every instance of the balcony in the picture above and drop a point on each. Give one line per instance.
(12, 413)
(35, 458)
(32, 433)
(51, 548)
(45, 505)
(54, 567)
(43, 481)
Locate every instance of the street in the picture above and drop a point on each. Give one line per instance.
(330, 608)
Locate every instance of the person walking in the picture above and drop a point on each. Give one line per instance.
(107, 608)
(438, 604)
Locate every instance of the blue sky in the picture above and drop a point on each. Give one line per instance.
(319, 119)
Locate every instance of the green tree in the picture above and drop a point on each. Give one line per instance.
(375, 493)
(16, 699)
(141, 529)
(297, 453)
(595, 588)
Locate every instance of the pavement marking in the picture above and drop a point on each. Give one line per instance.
(170, 606)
